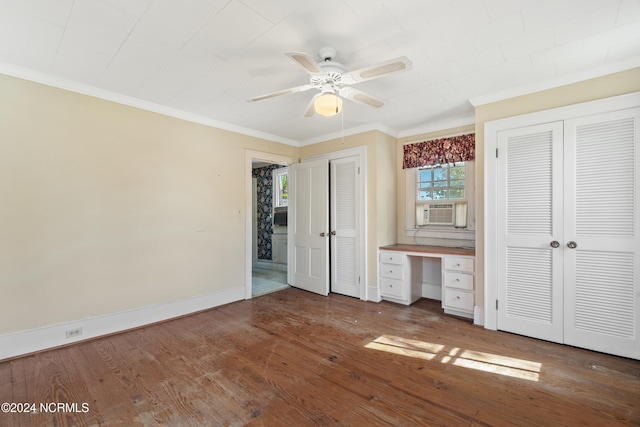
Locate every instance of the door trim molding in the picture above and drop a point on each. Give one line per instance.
(361, 153)
(491, 130)
(249, 157)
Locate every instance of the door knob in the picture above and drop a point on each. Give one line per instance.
(333, 233)
(323, 234)
(555, 244)
(572, 245)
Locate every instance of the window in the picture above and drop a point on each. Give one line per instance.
(440, 201)
(280, 187)
(441, 182)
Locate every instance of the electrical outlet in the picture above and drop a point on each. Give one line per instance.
(72, 333)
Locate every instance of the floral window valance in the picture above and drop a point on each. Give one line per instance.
(440, 151)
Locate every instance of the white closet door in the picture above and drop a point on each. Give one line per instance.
(529, 207)
(602, 274)
(344, 201)
(309, 226)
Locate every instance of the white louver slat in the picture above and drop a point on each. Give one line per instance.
(605, 201)
(529, 284)
(603, 305)
(529, 175)
(345, 195)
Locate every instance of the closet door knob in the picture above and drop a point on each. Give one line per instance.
(555, 244)
(572, 245)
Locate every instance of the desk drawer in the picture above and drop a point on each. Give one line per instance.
(391, 257)
(458, 300)
(458, 264)
(391, 271)
(457, 280)
(392, 288)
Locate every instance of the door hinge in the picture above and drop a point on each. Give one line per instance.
(496, 304)
(496, 153)
(358, 280)
(358, 170)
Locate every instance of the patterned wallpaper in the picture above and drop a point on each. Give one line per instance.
(264, 178)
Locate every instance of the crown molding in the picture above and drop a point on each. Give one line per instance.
(350, 132)
(85, 89)
(438, 126)
(555, 82)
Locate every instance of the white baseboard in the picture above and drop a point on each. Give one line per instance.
(373, 294)
(266, 264)
(16, 344)
(478, 315)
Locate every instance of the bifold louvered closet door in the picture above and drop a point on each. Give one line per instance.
(568, 239)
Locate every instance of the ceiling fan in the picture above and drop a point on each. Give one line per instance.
(334, 82)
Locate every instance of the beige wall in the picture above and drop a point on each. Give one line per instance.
(589, 90)
(386, 190)
(106, 208)
(381, 210)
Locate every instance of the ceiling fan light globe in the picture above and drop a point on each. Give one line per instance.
(327, 104)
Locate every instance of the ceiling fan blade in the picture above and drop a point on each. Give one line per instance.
(280, 93)
(360, 97)
(382, 69)
(305, 61)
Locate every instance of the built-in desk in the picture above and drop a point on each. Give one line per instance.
(402, 272)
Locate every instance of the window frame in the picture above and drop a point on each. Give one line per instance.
(277, 189)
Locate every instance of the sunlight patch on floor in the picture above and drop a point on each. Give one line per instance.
(487, 362)
(405, 347)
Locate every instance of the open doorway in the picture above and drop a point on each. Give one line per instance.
(267, 214)
(269, 223)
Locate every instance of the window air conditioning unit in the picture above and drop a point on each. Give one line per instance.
(435, 214)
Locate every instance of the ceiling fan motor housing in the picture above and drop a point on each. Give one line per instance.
(327, 53)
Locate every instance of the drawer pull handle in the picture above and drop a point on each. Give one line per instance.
(458, 297)
(458, 279)
(458, 265)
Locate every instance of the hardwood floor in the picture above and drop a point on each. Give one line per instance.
(292, 358)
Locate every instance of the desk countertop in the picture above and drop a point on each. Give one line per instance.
(445, 250)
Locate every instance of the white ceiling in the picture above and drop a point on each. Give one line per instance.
(202, 59)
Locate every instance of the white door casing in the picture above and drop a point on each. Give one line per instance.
(308, 226)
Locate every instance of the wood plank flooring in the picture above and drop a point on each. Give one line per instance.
(292, 358)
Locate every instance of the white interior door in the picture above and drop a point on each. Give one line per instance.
(308, 226)
(344, 197)
(529, 207)
(602, 274)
